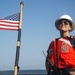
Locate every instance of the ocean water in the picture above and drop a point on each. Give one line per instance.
(24, 72)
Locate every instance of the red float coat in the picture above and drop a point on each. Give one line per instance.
(64, 55)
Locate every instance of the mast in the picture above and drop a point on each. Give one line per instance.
(16, 68)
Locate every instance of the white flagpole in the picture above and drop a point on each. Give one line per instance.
(16, 68)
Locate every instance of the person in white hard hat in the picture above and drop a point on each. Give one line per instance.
(61, 51)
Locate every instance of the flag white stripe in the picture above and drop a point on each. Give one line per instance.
(11, 24)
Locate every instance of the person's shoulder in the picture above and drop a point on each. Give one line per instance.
(54, 39)
(57, 38)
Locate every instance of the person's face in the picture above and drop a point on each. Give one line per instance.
(64, 25)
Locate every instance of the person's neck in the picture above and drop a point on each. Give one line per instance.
(64, 34)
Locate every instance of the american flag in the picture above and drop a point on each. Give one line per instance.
(10, 22)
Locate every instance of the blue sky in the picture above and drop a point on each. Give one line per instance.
(38, 30)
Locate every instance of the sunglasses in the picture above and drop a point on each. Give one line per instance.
(65, 22)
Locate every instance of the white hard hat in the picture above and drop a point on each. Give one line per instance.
(67, 17)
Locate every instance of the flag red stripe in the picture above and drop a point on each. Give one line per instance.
(5, 27)
(9, 21)
(8, 29)
(9, 25)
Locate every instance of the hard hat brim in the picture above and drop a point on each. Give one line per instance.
(72, 27)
